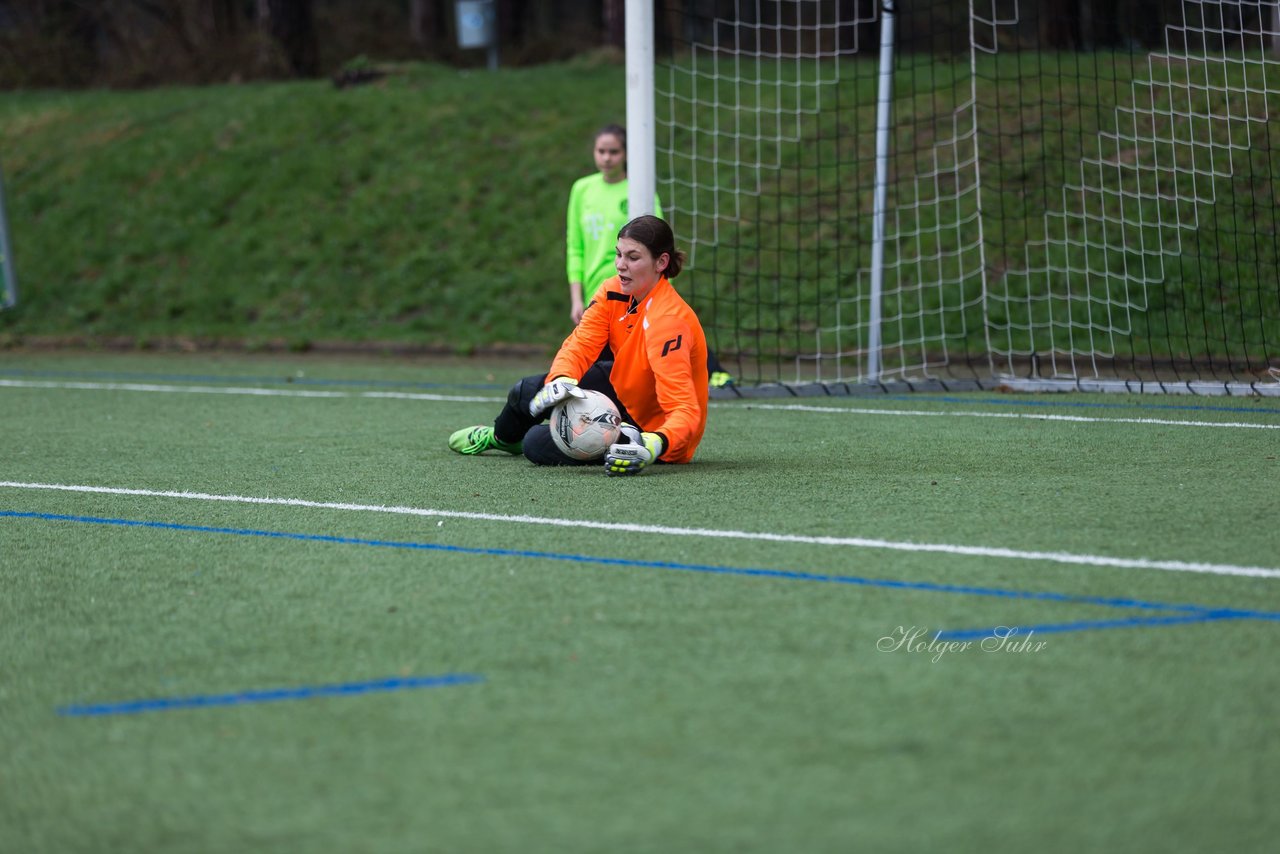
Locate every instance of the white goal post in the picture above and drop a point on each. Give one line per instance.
(8, 275)
(642, 181)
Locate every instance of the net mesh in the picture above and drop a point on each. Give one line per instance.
(1065, 197)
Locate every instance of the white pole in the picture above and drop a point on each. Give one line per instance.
(641, 178)
(884, 104)
(8, 275)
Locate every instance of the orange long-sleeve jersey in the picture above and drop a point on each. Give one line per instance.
(659, 361)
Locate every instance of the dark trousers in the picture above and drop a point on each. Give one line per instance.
(515, 424)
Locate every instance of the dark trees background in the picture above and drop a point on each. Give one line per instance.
(76, 43)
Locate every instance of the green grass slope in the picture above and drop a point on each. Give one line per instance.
(427, 208)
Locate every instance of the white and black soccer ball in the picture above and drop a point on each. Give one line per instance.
(585, 427)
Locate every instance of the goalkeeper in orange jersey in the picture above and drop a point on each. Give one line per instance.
(658, 377)
(597, 205)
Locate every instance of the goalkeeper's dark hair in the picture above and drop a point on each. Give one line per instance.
(657, 237)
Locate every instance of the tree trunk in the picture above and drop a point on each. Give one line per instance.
(74, 32)
(1060, 24)
(422, 23)
(615, 23)
(292, 26)
(225, 17)
(509, 27)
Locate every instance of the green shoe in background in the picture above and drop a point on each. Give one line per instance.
(720, 379)
(478, 439)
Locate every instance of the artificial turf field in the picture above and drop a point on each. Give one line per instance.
(255, 604)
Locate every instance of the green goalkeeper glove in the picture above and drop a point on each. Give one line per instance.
(552, 393)
(632, 456)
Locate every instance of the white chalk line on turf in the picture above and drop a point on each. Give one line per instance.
(245, 390)
(1032, 416)
(660, 530)
(454, 398)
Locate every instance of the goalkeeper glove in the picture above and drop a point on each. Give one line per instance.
(633, 455)
(552, 393)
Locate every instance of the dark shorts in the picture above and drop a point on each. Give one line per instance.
(515, 422)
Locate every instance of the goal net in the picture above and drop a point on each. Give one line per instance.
(990, 191)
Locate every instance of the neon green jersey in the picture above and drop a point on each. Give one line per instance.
(596, 212)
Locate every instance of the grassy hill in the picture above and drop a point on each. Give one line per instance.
(426, 208)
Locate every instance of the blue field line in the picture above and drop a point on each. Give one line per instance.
(1078, 404)
(223, 378)
(273, 695)
(1189, 612)
(1095, 625)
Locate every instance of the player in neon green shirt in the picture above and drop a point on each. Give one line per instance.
(597, 210)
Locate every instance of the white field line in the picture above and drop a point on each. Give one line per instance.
(397, 395)
(660, 530)
(245, 390)
(1034, 416)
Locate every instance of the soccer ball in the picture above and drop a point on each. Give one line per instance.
(585, 427)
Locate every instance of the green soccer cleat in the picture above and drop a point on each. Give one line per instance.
(721, 379)
(478, 439)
